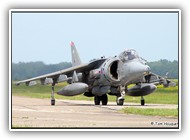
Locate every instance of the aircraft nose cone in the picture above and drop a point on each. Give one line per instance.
(144, 69)
(147, 69)
(135, 69)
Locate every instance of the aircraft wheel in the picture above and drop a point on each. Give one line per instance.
(97, 100)
(142, 101)
(104, 99)
(119, 101)
(52, 102)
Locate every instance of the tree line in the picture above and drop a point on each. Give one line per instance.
(22, 70)
(165, 67)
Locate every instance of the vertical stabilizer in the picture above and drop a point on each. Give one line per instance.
(75, 56)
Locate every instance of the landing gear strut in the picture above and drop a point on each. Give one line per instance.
(52, 95)
(103, 98)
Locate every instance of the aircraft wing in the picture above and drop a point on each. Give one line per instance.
(158, 80)
(62, 75)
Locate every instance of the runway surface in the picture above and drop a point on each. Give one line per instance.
(33, 112)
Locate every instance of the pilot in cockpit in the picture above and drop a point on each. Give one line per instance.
(128, 54)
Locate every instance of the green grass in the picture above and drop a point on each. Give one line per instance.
(160, 96)
(151, 112)
(163, 96)
(43, 91)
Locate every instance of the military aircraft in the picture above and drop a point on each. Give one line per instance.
(104, 76)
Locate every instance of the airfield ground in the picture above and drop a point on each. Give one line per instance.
(33, 112)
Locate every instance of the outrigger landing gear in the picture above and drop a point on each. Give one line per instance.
(142, 100)
(52, 95)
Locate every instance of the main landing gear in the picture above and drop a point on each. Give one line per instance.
(98, 99)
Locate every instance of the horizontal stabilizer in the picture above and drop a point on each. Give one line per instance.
(158, 80)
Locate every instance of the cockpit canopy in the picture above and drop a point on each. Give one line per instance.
(128, 54)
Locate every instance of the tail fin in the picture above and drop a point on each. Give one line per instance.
(75, 56)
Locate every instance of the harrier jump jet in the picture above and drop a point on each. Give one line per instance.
(104, 76)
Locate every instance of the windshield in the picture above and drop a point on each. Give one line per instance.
(128, 54)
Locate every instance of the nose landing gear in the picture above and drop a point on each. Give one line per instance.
(120, 99)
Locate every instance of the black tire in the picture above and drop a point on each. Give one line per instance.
(119, 102)
(52, 102)
(142, 102)
(97, 100)
(104, 99)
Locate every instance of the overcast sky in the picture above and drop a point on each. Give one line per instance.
(46, 36)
